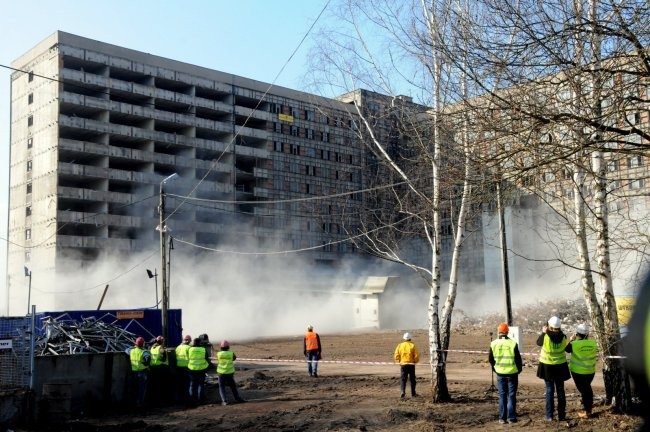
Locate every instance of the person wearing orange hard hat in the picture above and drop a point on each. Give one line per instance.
(140, 358)
(506, 362)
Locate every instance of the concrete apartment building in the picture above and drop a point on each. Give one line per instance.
(96, 127)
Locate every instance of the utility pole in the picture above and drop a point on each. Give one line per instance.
(504, 253)
(162, 227)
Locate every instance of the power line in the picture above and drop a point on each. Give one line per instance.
(289, 200)
(103, 284)
(285, 252)
(259, 102)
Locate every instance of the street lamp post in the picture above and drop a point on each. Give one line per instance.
(28, 273)
(154, 275)
(162, 227)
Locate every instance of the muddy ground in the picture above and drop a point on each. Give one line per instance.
(358, 390)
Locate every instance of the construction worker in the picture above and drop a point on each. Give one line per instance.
(407, 355)
(205, 342)
(582, 365)
(226, 372)
(553, 368)
(182, 375)
(197, 365)
(159, 371)
(506, 363)
(312, 349)
(140, 359)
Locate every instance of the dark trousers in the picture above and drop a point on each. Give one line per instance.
(196, 388)
(507, 385)
(182, 384)
(139, 382)
(159, 385)
(583, 384)
(228, 380)
(407, 372)
(555, 386)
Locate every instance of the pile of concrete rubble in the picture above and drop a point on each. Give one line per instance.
(530, 318)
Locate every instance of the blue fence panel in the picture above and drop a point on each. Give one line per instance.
(14, 352)
(142, 322)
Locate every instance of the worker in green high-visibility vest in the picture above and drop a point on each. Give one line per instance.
(582, 365)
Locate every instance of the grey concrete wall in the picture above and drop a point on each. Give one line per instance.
(79, 383)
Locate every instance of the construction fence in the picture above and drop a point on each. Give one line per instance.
(16, 354)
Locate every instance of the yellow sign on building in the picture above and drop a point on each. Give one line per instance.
(285, 118)
(624, 308)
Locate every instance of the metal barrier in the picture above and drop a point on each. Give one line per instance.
(16, 352)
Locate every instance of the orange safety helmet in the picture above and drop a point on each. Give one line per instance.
(503, 328)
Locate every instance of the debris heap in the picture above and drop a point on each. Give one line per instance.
(90, 335)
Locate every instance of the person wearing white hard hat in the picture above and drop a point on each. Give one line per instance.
(312, 349)
(407, 355)
(582, 365)
(553, 368)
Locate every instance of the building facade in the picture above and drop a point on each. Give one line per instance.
(96, 127)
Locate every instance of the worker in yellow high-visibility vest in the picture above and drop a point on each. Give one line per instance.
(198, 364)
(506, 362)
(182, 373)
(553, 368)
(140, 359)
(582, 365)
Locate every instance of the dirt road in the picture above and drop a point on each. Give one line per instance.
(358, 390)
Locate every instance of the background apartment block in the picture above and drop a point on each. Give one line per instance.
(96, 127)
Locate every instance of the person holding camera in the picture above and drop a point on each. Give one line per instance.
(582, 365)
(553, 368)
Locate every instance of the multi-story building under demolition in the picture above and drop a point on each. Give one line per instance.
(96, 127)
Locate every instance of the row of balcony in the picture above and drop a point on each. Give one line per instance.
(144, 69)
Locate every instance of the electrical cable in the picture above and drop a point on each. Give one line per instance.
(259, 102)
(103, 284)
(293, 250)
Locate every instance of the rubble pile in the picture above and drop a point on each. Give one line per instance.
(530, 318)
(89, 335)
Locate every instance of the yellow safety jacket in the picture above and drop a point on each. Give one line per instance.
(182, 356)
(406, 353)
(551, 353)
(226, 363)
(503, 351)
(583, 356)
(137, 359)
(197, 361)
(157, 354)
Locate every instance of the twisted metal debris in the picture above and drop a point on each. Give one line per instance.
(63, 335)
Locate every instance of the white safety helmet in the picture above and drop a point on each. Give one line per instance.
(581, 329)
(407, 336)
(555, 322)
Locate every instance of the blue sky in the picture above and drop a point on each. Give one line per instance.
(252, 38)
